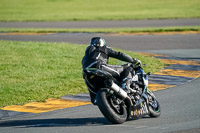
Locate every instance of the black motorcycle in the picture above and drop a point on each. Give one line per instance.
(117, 104)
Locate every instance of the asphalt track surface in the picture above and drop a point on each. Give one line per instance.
(104, 24)
(180, 104)
(127, 42)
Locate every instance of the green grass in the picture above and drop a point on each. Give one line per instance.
(35, 71)
(72, 10)
(102, 30)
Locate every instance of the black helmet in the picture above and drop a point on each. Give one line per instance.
(97, 41)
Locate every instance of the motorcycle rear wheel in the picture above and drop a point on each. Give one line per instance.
(107, 103)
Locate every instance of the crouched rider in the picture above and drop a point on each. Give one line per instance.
(97, 55)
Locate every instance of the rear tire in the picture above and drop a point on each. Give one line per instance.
(115, 113)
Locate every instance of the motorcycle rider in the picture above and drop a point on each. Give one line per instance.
(97, 55)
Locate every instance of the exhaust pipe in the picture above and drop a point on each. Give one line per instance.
(118, 90)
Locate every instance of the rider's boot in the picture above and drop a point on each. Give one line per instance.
(126, 84)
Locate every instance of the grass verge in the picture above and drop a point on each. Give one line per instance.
(35, 71)
(72, 10)
(102, 30)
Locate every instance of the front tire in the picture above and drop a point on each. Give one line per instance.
(154, 106)
(114, 111)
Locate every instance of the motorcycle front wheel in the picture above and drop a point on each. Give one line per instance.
(111, 107)
(154, 106)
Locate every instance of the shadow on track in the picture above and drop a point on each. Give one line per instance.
(60, 122)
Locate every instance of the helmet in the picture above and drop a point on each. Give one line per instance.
(97, 41)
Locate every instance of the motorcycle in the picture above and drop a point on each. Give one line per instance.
(117, 104)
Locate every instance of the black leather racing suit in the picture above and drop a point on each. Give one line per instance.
(97, 57)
